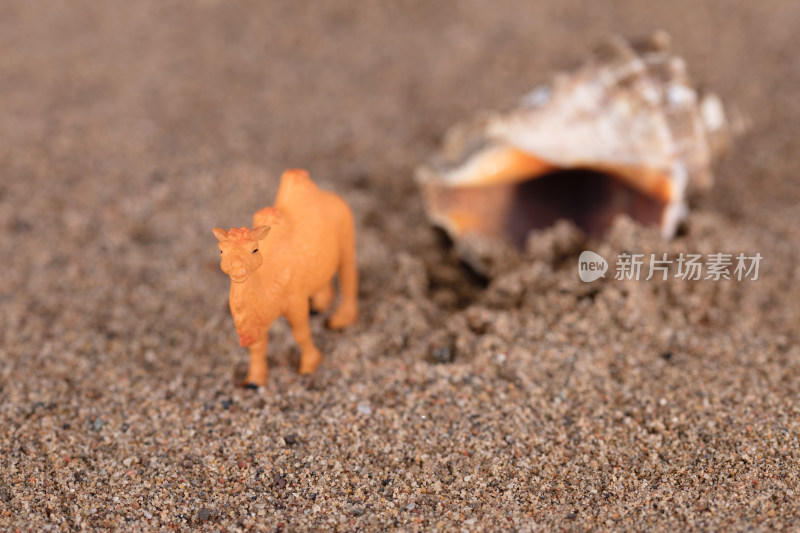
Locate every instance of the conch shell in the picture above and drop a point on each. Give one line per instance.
(626, 132)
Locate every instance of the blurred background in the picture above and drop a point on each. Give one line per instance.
(213, 93)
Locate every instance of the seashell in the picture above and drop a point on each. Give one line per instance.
(624, 133)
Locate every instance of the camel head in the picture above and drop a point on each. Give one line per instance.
(238, 248)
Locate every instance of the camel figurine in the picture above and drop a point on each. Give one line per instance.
(287, 260)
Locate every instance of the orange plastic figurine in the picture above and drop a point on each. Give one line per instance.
(291, 256)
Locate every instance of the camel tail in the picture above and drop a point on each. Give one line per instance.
(348, 268)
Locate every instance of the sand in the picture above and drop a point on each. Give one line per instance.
(529, 401)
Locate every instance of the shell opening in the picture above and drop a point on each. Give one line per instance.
(591, 199)
(588, 198)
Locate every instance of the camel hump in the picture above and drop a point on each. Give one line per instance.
(266, 217)
(294, 179)
(295, 175)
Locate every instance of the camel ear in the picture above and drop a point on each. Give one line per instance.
(220, 234)
(261, 232)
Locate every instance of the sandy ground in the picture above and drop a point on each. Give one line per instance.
(129, 129)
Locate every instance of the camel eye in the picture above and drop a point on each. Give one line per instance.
(255, 251)
(220, 252)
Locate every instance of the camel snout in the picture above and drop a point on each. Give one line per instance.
(238, 272)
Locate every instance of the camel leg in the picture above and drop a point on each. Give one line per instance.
(310, 357)
(347, 312)
(321, 300)
(258, 371)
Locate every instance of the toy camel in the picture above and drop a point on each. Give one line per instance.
(291, 256)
